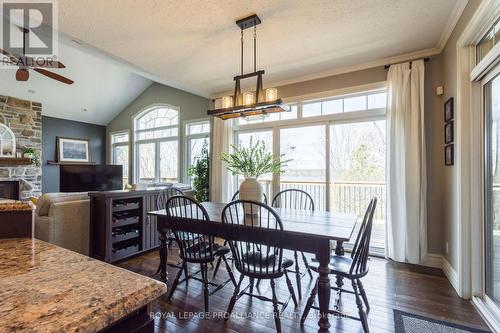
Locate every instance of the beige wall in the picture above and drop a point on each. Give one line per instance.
(352, 79)
(435, 160)
(444, 177)
(191, 107)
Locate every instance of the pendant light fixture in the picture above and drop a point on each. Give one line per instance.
(250, 103)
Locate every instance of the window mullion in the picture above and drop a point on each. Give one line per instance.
(157, 162)
(327, 166)
(276, 152)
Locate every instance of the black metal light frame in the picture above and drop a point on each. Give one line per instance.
(260, 107)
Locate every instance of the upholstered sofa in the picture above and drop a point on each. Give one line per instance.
(63, 219)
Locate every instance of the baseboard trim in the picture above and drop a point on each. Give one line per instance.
(451, 274)
(434, 260)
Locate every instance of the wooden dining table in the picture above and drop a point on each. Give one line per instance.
(313, 232)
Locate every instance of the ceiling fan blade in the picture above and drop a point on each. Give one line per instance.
(51, 64)
(54, 76)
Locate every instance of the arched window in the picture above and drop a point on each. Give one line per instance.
(7, 142)
(156, 134)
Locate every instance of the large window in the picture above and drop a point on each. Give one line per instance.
(120, 152)
(156, 133)
(338, 151)
(197, 134)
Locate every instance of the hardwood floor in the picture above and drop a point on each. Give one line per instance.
(389, 285)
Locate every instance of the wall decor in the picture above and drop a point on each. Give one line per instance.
(448, 110)
(448, 132)
(73, 150)
(7, 142)
(449, 155)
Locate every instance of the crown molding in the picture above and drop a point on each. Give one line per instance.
(452, 23)
(347, 69)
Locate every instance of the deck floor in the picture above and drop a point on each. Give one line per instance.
(389, 285)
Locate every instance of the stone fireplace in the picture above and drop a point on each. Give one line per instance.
(24, 118)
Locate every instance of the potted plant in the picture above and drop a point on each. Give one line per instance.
(199, 173)
(252, 162)
(30, 153)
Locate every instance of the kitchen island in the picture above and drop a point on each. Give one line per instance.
(45, 288)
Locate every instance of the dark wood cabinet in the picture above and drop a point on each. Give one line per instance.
(119, 224)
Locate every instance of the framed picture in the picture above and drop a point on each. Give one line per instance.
(73, 150)
(449, 155)
(448, 132)
(448, 110)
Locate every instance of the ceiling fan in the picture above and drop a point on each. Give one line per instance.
(26, 63)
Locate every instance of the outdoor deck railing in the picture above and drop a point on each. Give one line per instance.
(345, 196)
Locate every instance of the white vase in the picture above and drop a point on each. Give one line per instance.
(251, 189)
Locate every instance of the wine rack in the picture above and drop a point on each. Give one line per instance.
(119, 225)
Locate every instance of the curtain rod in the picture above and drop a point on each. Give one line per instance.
(389, 65)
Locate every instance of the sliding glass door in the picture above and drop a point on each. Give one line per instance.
(305, 146)
(357, 172)
(492, 188)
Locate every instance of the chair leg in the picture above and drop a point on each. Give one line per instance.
(229, 271)
(258, 283)
(176, 281)
(310, 302)
(251, 285)
(276, 311)
(290, 288)
(186, 272)
(359, 303)
(297, 275)
(363, 295)
(217, 267)
(204, 274)
(306, 263)
(234, 298)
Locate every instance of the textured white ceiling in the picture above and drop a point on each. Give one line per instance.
(194, 45)
(102, 86)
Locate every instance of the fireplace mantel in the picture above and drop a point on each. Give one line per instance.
(12, 161)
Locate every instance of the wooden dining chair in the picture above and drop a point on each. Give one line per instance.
(193, 247)
(236, 196)
(299, 200)
(353, 267)
(161, 203)
(256, 260)
(161, 200)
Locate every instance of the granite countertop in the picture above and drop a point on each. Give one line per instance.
(15, 206)
(45, 288)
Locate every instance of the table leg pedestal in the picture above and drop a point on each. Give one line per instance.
(323, 291)
(163, 256)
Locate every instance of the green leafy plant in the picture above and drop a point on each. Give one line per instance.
(34, 156)
(199, 172)
(253, 161)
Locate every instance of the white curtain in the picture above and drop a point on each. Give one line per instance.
(220, 178)
(406, 226)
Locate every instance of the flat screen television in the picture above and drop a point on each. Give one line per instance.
(83, 178)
